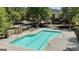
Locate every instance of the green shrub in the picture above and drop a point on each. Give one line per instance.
(76, 20)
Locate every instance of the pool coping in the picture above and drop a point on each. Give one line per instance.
(31, 33)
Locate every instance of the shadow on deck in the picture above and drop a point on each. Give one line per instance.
(73, 45)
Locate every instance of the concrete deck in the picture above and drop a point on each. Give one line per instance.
(58, 44)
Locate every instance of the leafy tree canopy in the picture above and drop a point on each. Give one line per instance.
(43, 12)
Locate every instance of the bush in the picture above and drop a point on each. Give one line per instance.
(76, 20)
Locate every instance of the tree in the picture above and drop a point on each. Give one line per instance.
(16, 17)
(4, 21)
(76, 20)
(16, 13)
(22, 11)
(66, 12)
(69, 13)
(12, 15)
(43, 12)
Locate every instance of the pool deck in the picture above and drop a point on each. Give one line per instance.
(58, 44)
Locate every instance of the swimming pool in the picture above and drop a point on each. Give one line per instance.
(36, 41)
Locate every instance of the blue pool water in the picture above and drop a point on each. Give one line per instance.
(37, 41)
